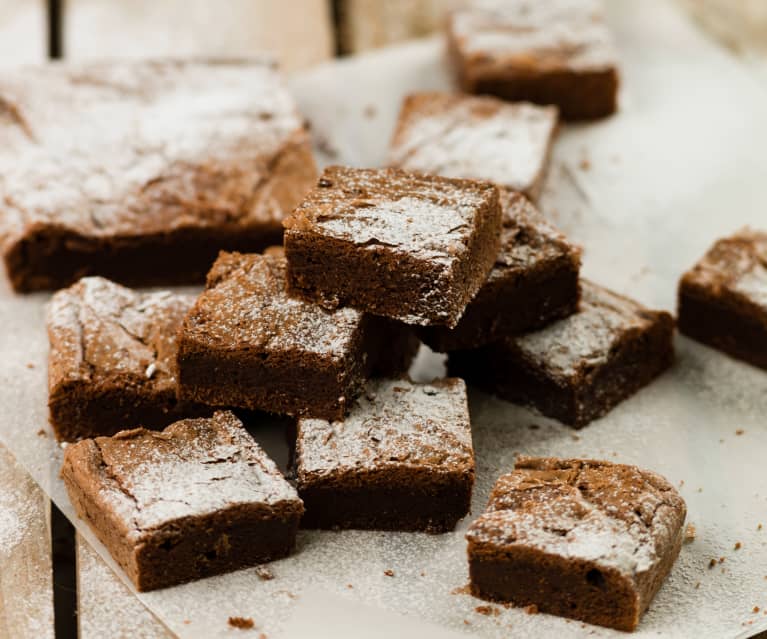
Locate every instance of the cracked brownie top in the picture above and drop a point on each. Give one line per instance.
(132, 148)
(394, 424)
(193, 468)
(475, 137)
(618, 516)
(735, 268)
(101, 332)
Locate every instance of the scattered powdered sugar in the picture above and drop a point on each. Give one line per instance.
(586, 337)
(476, 137)
(394, 423)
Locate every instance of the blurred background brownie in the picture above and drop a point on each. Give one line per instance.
(142, 171)
(475, 137)
(723, 298)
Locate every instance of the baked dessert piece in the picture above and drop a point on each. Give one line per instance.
(112, 362)
(142, 171)
(402, 460)
(412, 247)
(556, 52)
(723, 298)
(577, 538)
(247, 344)
(197, 499)
(475, 137)
(533, 282)
(578, 368)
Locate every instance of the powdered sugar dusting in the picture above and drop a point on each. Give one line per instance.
(395, 423)
(475, 137)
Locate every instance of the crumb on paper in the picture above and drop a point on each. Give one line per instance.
(262, 636)
(42, 433)
(186, 622)
(265, 573)
(576, 438)
(712, 563)
(532, 609)
(389, 572)
(150, 370)
(423, 573)
(697, 585)
(370, 111)
(488, 611)
(461, 590)
(759, 527)
(349, 586)
(739, 431)
(738, 545)
(700, 490)
(756, 608)
(721, 560)
(30, 365)
(689, 533)
(243, 623)
(467, 622)
(585, 164)
(534, 427)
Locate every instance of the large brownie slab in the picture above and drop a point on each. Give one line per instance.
(402, 460)
(197, 499)
(578, 368)
(475, 137)
(723, 298)
(577, 538)
(112, 362)
(412, 247)
(534, 281)
(246, 343)
(141, 171)
(556, 52)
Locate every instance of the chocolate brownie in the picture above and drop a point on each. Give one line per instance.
(475, 137)
(141, 171)
(411, 247)
(402, 460)
(112, 362)
(577, 538)
(556, 52)
(246, 343)
(534, 281)
(197, 499)
(723, 298)
(578, 368)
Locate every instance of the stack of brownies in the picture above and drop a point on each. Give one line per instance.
(445, 247)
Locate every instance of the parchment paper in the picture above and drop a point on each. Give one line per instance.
(645, 192)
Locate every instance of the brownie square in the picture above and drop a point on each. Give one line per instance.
(723, 298)
(246, 343)
(197, 499)
(577, 538)
(578, 368)
(402, 460)
(533, 282)
(556, 52)
(407, 246)
(112, 361)
(141, 171)
(482, 138)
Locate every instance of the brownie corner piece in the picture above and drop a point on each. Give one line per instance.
(585, 539)
(112, 359)
(477, 137)
(516, 50)
(401, 460)
(133, 489)
(578, 368)
(722, 300)
(407, 246)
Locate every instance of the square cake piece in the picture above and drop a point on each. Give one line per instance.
(723, 298)
(415, 248)
(246, 343)
(555, 52)
(578, 368)
(402, 460)
(112, 361)
(197, 499)
(141, 171)
(577, 538)
(533, 282)
(480, 138)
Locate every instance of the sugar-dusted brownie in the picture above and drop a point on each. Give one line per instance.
(533, 282)
(402, 460)
(475, 137)
(408, 246)
(197, 499)
(246, 343)
(141, 171)
(555, 52)
(577, 538)
(723, 298)
(112, 361)
(578, 368)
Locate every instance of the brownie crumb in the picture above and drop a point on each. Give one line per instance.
(689, 533)
(262, 636)
(30, 365)
(488, 611)
(721, 560)
(532, 609)
(712, 563)
(756, 608)
(264, 573)
(42, 433)
(370, 111)
(467, 622)
(585, 164)
(349, 586)
(738, 545)
(389, 573)
(243, 623)
(697, 585)
(759, 527)
(739, 431)
(461, 590)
